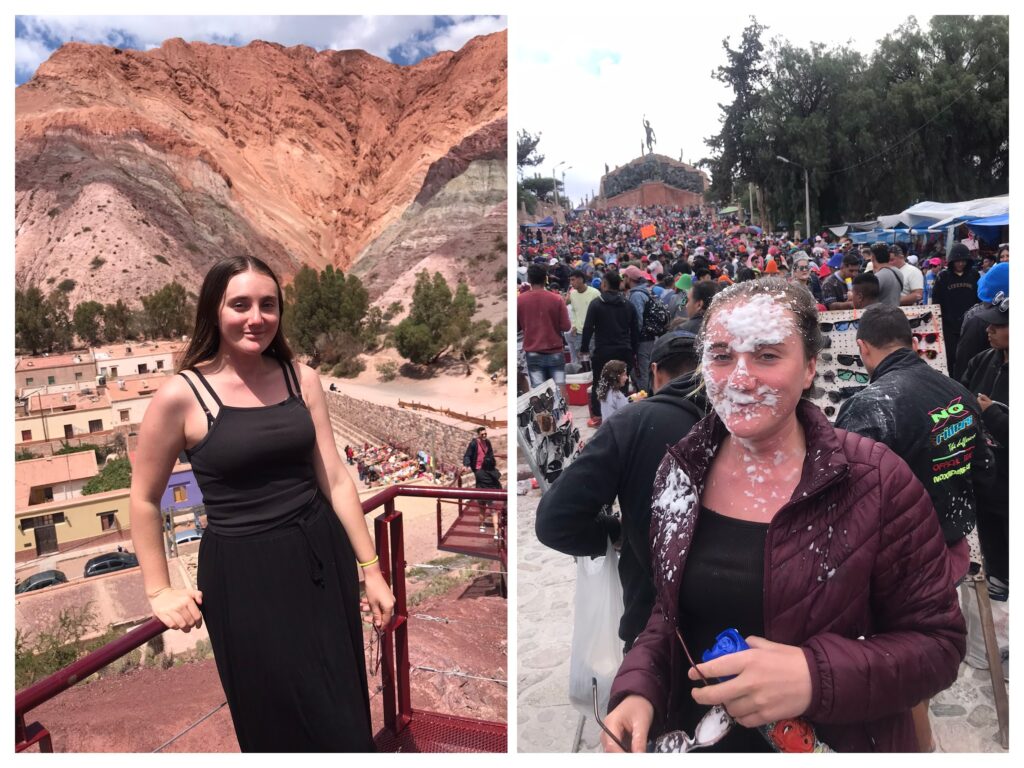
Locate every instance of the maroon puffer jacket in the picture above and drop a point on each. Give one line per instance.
(857, 552)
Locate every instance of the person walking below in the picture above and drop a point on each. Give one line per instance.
(611, 323)
(580, 294)
(479, 457)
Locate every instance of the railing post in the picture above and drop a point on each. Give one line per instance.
(401, 609)
(387, 676)
(439, 535)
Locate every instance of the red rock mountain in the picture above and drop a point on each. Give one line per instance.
(134, 168)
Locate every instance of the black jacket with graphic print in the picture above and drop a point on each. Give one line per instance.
(934, 424)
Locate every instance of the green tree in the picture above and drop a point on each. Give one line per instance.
(541, 187)
(32, 324)
(114, 475)
(325, 314)
(118, 322)
(167, 312)
(437, 321)
(59, 311)
(526, 150)
(497, 352)
(87, 318)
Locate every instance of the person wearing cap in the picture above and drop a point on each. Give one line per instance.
(974, 330)
(934, 265)
(698, 300)
(619, 462)
(677, 304)
(897, 408)
(988, 377)
(835, 290)
(913, 280)
(956, 291)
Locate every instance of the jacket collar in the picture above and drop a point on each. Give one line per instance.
(898, 360)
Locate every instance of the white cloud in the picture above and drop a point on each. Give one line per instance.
(28, 55)
(452, 38)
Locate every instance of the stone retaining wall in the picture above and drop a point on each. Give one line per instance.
(410, 428)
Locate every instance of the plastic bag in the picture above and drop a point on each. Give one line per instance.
(596, 647)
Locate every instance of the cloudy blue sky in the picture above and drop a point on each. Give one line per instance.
(399, 39)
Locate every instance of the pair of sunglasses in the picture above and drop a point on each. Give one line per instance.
(930, 338)
(850, 360)
(830, 410)
(1001, 302)
(842, 325)
(931, 354)
(915, 322)
(825, 357)
(837, 396)
(845, 374)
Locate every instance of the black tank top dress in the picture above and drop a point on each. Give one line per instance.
(279, 582)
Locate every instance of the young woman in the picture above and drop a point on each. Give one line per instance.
(614, 376)
(818, 545)
(278, 580)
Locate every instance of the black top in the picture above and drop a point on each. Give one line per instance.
(722, 588)
(611, 322)
(255, 464)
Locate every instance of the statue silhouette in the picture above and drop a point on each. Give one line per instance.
(651, 139)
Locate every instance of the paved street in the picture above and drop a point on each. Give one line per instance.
(963, 717)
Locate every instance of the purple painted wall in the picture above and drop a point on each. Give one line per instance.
(193, 497)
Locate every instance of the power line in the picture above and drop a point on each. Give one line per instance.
(205, 717)
(455, 673)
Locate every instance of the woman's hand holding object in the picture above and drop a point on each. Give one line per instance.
(178, 608)
(772, 682)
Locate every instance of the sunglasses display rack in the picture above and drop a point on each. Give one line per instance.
(841, 372)
(545, 432)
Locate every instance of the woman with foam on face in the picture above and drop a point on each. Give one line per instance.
(819, 546)
(278, 582)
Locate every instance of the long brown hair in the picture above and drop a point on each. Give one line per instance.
(205, 339)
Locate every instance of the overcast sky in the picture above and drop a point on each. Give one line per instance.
(400, 39)
(593, 78)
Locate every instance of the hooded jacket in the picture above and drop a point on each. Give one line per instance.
(857, 552)
(611, 320)
(955, 294)
(932, 423)
(989, 374)
(620, 461)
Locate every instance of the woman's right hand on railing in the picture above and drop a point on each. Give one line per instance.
(178, 608)
(630, 722)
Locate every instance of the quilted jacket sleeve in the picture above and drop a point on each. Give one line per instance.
(919, 637)
(646, 669)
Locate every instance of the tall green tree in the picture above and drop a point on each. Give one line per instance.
(167, 312)
(59, 311)
(438, 321)
(325, 314)
(119, 322)
(33, 328)
(87, 319)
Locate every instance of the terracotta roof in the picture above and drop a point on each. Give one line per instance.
(138, 349)
(51, 470)
(134, 386)
(56, 402)
(27, 364)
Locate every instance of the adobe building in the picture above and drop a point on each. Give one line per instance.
(64, 524)
(53, 478)
(54, 373)
(652, 180)
(46, 417)
(130, 397)
(134, 358)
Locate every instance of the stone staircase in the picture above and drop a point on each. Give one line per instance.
(348, 433)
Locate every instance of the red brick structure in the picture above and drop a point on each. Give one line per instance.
(651, 193)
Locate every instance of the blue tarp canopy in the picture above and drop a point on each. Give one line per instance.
(1002, 220)
(545, 222)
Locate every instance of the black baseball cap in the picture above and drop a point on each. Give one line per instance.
(671, 344)
(999, 312)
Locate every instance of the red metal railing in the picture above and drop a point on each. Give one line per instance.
(405, 729)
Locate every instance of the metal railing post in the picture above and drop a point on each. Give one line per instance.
(387, 663)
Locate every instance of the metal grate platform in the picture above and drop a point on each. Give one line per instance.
(431, 732)
(463, 537)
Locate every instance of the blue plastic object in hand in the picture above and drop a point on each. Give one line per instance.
(729, 641)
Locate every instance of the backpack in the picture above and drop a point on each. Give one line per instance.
(655, 320)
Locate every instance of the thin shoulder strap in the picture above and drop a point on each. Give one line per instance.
(209, 416)
(208, 387)
(289, 377)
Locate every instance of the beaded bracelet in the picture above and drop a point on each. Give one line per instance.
(368, 563)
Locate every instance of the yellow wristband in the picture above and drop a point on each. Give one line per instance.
(368, 563)
(154, 594)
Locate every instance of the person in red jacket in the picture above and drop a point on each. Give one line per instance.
(820, 546)
(543, 317)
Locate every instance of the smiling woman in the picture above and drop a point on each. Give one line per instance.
(806, 538)
(278, 583)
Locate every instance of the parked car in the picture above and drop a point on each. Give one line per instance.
(184, 537)
(115, 561)
(40, 580)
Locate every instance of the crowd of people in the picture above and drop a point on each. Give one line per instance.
(383, 465)
(861, 525)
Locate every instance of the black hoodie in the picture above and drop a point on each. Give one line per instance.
(620, 461)
(611, 320)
